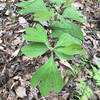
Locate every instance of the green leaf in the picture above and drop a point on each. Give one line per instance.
(32, 6)
(25, 3)
(34, 49)
(75, 70)
(43, 15)
(89, 72)
(63, 56)
(73, 13)
(84, 91)
(67, 46)
(72, 49)
(66, 40)
(48, 77)
(66, 26)
(68, 3)
(95, 74)
(36, 35)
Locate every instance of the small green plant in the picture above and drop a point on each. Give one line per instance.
(95, 74)
(67, 44)
(84, 92)
(75, 70)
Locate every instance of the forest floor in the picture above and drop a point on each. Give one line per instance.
(16, 69)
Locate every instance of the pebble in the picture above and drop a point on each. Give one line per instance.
(0, 41)
(23, 22)
(96, 60)
(1, 48)
(44, 23)
(1, 34)
(7, 12)
(21, 92)
(2, 6)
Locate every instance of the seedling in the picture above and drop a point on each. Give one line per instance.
(68, 37)
(84, 91)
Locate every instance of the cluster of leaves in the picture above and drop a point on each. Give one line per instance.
(95, 74)
(68, 34)
(84, 92)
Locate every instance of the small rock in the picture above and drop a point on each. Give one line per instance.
(16, 41)
(1, 34)
(96, 59)
(3, 79)
(15, 53)
(0, 41)
(45, 59)
(7, 12)
(1, 48)
(77, 5)
(13, 0)
(44, 23)
(1, 21)
(23, 22)
(21, 92)
(2, 6)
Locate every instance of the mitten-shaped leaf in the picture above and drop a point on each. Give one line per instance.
(73, 13)
(36, 35)
(32, 6)
(34, 49)
(66, 27)
(49, 77)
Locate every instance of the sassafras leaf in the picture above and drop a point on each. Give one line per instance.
(48, 77)
(37, 34)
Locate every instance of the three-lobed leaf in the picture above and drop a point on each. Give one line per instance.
(48, 77)
(37, 34)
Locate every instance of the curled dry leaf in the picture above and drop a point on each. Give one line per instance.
(64, 62)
